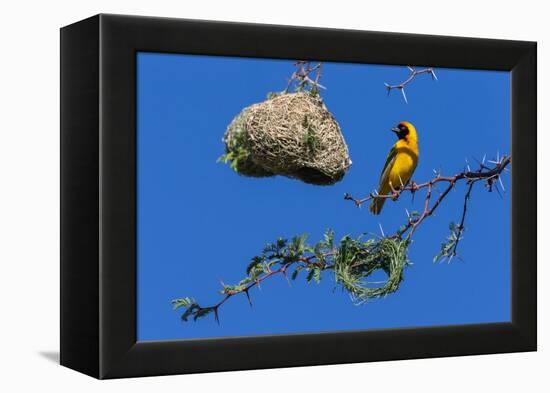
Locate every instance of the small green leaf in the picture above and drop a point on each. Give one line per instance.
(317, 275)
(184, 302)
(202, 312)
(310, 275)
(190, 311)
(254, 263)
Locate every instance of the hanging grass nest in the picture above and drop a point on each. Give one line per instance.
(289, 134)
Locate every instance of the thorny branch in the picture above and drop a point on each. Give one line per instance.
(313, 262)
(460, 227)
(484, 173)
(302, 77)
(353, 260)
(414, 73)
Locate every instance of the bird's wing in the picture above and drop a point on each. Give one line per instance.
(390, 160)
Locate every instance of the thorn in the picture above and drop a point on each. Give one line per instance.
(432, 71)
(407, 211)
(401, 181)
(286, 278)
(381, 230)
(404, 95)
(216, 316)
(481, 166)
(502, 185)
(309, 80)
(498, 192)
(411, 69)
(248, 297)
(484, 157)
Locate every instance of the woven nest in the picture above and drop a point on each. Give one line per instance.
(292, 135)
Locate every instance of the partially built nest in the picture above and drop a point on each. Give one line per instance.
(291, 134)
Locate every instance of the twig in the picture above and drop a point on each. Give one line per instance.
(488, 175)
(302, 76)
(462, 219)
(414, 73)
(482, 174)
(325, 260)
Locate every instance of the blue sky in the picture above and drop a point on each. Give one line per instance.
(199, 222)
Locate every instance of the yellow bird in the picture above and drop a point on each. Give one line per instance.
(400, 164)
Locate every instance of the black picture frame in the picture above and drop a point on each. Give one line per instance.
(98, 196)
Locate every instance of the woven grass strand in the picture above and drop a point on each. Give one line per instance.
(353, 267)
(292, 135)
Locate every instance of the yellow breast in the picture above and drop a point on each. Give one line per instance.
(404, 166)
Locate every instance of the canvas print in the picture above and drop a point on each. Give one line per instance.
(291, 196)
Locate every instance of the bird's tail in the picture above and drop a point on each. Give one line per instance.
(376, 205)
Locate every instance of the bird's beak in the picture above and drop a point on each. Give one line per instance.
(396, 130)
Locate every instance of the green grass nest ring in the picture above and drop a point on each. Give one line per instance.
(292, 135)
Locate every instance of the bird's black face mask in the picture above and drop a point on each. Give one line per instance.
(401, 131)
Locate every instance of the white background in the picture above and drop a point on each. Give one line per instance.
(29, 193)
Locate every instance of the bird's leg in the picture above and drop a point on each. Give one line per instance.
(402, 185)
(394, 192)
